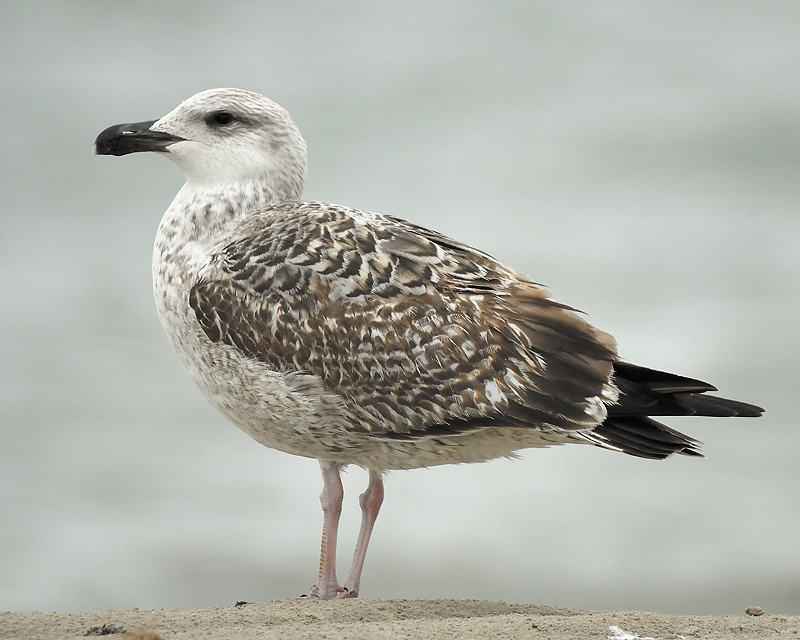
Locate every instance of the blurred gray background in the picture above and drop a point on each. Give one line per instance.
(642, 159)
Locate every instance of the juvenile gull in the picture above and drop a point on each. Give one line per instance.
(358, 338)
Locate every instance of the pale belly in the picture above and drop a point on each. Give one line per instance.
(293, 413)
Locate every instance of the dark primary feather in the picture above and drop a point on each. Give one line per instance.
(422, 335)
(647, 392)
(657, 393)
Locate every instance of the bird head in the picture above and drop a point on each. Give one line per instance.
(221, 137)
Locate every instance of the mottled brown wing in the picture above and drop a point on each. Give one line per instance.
(415, 331)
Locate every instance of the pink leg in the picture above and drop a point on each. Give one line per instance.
(327, 587)
(370, 501)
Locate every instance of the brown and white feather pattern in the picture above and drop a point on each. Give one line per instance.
(417, 334)
(356, 338)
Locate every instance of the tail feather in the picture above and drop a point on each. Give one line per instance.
(643, 437)
(647, 392)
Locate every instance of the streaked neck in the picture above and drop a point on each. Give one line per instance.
(200, 212)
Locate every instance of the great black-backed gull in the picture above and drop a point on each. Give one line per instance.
(359, 338)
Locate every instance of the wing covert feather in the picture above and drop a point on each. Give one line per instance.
(412, 329)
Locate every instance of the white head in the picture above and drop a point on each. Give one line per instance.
(222, 137)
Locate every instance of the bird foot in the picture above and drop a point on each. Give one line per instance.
(330, 593)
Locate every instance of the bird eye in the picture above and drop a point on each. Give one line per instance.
(220, 119)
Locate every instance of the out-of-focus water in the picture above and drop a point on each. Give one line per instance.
(641, 159)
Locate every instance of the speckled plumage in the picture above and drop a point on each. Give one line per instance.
(359, 338)
(415, 334)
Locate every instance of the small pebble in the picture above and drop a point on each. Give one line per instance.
(754, 611)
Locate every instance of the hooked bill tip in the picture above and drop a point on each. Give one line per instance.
(135, 137)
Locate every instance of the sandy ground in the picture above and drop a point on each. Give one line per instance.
(390, 619)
